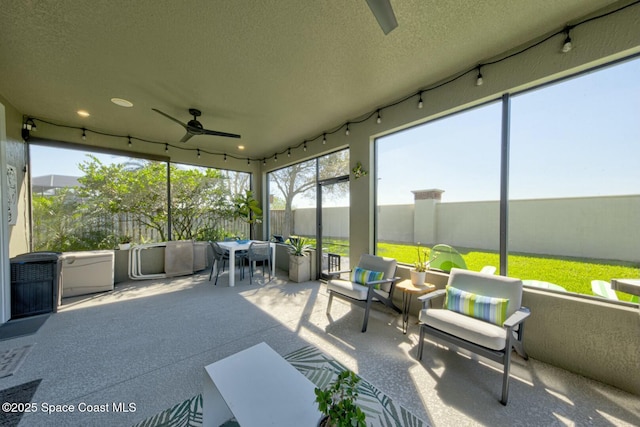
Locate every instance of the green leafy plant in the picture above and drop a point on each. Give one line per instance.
(420, 265)
(338, 402)
(298, 246)
(248, 209)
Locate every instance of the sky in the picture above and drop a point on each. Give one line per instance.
(580, 137)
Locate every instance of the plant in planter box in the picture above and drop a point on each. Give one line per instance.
(299, 262)
(125, 243)
(338, 402)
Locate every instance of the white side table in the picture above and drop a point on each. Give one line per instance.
(259, 388)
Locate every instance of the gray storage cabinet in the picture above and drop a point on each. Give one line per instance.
(35, 278)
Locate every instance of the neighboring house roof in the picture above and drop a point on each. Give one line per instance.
(46, 183)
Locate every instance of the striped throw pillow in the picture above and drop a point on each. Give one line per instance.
(489, 309)
(362, 276)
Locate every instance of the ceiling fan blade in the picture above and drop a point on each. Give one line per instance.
(383, 12)
(215, 132)
(187, 136)
(184, 125)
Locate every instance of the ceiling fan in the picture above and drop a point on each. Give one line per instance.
(194, 127)
(383, 12)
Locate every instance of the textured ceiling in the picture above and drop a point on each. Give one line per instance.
(275, 71)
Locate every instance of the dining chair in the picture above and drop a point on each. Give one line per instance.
(220, 257)
(257, 252)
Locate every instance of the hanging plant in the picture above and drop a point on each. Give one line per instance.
(358, 171)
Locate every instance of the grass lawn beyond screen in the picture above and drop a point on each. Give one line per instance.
(573, 274)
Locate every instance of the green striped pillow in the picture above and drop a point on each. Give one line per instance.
(493, 310)
(362, 276)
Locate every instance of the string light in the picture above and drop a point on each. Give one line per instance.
(479, 79)
(567, 45)
(166, 148)
(264, 161)
(30, 125)
(275, 157)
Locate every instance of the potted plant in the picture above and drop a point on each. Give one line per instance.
(338, 402)
(419, 270)
(299, 262)
(247, 208)
(125, 243)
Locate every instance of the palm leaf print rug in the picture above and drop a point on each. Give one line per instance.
(321, 370)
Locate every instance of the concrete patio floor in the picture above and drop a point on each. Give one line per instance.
(147, 343)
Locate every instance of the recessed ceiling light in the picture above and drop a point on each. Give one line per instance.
(240, 147)
(83, 113)
(122, 102)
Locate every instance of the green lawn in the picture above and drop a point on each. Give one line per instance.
(573, 274)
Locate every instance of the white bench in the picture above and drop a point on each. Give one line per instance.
(259, 388)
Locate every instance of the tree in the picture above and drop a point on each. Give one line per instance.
(201, 200)
(140, 191)
(200, 197)
(299, 178)
(291, 181)
(55, 221)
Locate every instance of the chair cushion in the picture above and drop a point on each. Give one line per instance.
(491, 286)
(352, 290)
(468, 328)
(363, 276)
(481, 307)
(377, 263)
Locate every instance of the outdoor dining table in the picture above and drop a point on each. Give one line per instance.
(243, 245)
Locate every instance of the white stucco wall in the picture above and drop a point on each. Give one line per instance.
(584, 227)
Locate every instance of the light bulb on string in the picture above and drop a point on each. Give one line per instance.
(275, 157)
(324, 138)
(304, 146)
(248, 161)
(198, 153)
(289, 152)
(84, 134)
(567, 45)
(264, 161)
(479, 79)
(379, 119)
(225, 157)
(420, 101)
(166, 148)
(129, 143)
(346, 132)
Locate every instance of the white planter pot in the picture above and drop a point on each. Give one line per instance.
(417, 277)
(124, 246)
(299, 268)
